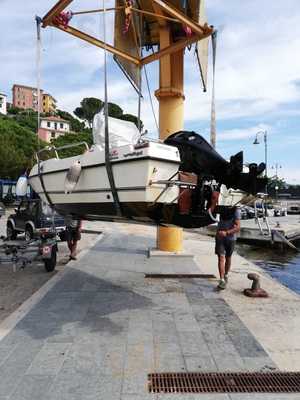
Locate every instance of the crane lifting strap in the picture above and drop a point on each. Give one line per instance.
(108, 164)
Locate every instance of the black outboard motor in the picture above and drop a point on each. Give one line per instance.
(199, 157)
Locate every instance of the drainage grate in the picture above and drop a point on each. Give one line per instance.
(240, 382)
(180, 276)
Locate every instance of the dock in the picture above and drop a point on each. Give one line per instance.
(101, 326)
(287, 227)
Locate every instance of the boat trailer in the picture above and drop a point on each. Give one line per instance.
(20, 253)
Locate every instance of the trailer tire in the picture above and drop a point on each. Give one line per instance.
(50, 263)
(11, 233)
(28, 233)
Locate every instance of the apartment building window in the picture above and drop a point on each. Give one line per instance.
(52, 135)
(55, 125)
(48, 124)
(61, 125)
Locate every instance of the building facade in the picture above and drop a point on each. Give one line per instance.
(49, 103)
(26, 97)
(3, 103)
(53, 127)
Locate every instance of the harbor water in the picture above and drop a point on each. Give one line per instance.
(284, 267)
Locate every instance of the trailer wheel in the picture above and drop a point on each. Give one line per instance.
(50, 263)
(28, 233)
(10, 232)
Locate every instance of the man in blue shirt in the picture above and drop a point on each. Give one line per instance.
(228, 226)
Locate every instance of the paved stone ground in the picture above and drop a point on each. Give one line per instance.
(103, 327)
(17, 287)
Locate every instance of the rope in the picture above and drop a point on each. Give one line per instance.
(213, 105)
(108, 165)
(140, 100)
(38, 74)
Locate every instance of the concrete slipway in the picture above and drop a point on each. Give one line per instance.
(99, 327)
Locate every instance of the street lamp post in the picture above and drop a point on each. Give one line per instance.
(264, 133)
(276, 167)
(276, 190)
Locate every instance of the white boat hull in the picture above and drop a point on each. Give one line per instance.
(135, 173)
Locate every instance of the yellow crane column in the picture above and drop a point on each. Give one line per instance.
(171, 109)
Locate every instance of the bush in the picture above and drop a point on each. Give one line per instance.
(17, 148)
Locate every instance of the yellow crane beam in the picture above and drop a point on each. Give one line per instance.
(97, 42)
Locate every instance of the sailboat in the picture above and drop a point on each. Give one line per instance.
(124, 176)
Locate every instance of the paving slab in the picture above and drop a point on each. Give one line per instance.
(103, 327)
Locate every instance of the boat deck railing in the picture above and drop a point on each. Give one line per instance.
(57, 149)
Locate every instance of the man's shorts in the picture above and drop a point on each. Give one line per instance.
(72, 234)
(224, 246)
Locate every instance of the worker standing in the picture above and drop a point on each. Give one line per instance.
(73, 234)
(228, 227)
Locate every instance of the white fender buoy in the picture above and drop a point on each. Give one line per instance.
(72, 177)
(21, 186)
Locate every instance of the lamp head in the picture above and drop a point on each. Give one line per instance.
(256, 141)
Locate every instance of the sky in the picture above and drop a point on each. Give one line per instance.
(257, 74)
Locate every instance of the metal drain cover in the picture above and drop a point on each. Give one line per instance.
(235, 382)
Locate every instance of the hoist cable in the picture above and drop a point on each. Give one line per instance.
(108, 164)
(150, 98)
(213, 104)
(38, 74)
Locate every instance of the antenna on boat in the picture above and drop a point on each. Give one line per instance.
(108, 165)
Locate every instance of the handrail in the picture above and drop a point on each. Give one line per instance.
(264, 216)
(56, 149)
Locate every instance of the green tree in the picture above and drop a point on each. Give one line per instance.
(27, 120)
(114, 110)
(275, 181)
(17, 148)
(13, 110)
(132, 118)
(75, 124)
(89, 106)
(72, 139)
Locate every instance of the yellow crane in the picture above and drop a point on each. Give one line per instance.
(165, 27)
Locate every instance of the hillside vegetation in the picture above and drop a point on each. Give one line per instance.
(19, 142)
